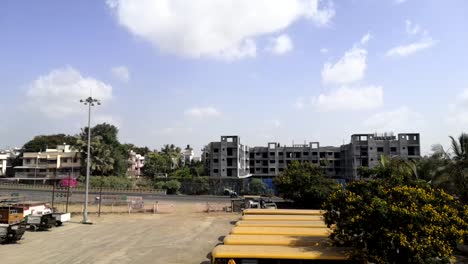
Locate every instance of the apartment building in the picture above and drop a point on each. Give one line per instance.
(51, 165)
(3, 163)
(366, 150)
(229, 158)
(136, 163)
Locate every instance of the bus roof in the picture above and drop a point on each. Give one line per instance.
(283, 212)
(282, 218)
(275, 240)
(310, 224)
(279, 252)
(287, 231)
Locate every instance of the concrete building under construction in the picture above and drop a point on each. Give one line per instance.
(229, 158)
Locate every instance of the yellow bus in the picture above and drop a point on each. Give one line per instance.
(246, 254)
(282, 218)
(282, 212)
(310, 224)
(286, 231)
(275, 240)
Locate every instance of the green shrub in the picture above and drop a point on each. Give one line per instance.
(389, 223)
(171, 186)
(257, 187)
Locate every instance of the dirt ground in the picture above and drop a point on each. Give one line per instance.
(185, 235)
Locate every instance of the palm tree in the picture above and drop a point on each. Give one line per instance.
(460, 147)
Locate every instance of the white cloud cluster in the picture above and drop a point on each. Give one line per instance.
(411, 48)
(57, 94)
(344, 98)
(202, 112)
(280, 45)
(458, 111)
(424, 41)
(223, 29)
(350, 68)
(400, 119)
(121, 73)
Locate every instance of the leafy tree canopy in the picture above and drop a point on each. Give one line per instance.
(40, 143)
(305, 184)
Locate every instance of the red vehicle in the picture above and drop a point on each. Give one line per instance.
(68, 182)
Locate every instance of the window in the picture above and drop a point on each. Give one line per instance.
(314, 153)
(393, 149)
(264, 155)
(272, 169)
(322, 154)
(337, 155)
(330, 153)
(252, 170)
(230, 151)
(305, 153)
(404, 147)
(251, 155)
(265, 170)
(379, 149)
(281, 161)
(281, 169)
(216, 150)
(272, 153)
(272, 161)
(215, 171)
(265, 163)
(314, 161)
(215, 160)
(371, 148)
(281, 153)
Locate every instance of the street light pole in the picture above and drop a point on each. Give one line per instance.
(89, 102)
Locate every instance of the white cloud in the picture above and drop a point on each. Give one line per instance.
(57, 94)
(106, 118)
(350, 68)
(409, 49)
(411, 28)
(202, 112)
(400, 119)
(365, 39)
(121, 72)
(280, 45)
(323, 50)
(213, 28)
(344, 98)
(458, 111)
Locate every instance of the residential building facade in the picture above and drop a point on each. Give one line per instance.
(136, 163)
(51, 165)
(229, 158)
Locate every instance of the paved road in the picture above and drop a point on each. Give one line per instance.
(77, 196)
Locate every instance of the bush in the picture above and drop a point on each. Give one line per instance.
(389, 223)
(257, 187)
(171, 186)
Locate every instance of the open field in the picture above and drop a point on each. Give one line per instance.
(185, 235)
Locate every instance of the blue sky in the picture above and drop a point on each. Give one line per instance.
(172, 71)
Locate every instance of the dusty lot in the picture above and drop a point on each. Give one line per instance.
(185, 235)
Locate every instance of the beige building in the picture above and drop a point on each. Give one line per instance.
(51, 165)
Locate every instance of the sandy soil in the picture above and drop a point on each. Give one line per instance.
(185, 235)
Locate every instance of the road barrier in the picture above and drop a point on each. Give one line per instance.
(15, 186)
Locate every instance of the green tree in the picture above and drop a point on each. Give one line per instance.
(183, 172)
(305, 184)
(385, 222)
(109, 157)
(452, 170)
(40, 143)
(156, 163)
(257, 187)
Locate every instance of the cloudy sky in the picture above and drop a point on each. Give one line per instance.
(187, 72)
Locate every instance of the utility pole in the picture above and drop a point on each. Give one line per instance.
(89, 102)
